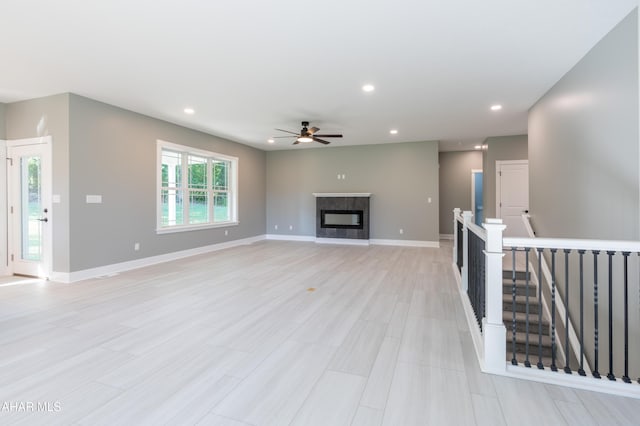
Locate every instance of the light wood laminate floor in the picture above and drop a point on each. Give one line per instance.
(273, 333)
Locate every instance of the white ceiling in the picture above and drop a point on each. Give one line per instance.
(248, 67)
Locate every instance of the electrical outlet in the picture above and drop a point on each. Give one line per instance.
(290, 227)
(226, 232)
(401, 231)
(275, 227)
(136, 246)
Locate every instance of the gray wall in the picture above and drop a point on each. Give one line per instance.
(500, 148)
(113, 153)
(455, 184)
(400, 176)
(583, 173)
(3, 131)
(583, 150)
(104, 150)
(49, 117)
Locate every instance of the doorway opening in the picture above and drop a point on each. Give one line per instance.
(477, 205)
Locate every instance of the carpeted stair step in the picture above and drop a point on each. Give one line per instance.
(521, 322)
(520, 275)
(521, 288)
(521, 304)
(533, 344)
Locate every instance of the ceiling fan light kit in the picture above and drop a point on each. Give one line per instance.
(307, 135)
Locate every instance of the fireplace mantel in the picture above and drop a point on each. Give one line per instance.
(341, 194)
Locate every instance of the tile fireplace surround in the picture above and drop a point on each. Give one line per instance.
(353, 205)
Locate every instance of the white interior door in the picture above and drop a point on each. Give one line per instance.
(29, 206)
(512, 195)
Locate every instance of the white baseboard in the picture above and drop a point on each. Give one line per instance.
(284, 237)
(345, 241)
(71, 277)
(446, 237)
(379, 242)
(575, 381)
(405, 243)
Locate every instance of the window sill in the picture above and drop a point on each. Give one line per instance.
(185, 228)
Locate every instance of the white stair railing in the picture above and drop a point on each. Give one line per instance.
(490, 339)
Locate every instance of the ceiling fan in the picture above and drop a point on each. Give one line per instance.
(307, 135)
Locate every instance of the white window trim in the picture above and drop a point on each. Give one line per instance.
(233, 188)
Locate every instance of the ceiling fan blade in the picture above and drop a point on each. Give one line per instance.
(330, 136)
(321, 141)
(278, 137)
(296, 142)
(313, 130)
(287, 131)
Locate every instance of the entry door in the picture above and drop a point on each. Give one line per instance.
(512, 195)
(29, 179)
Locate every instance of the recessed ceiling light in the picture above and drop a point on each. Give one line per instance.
(496, 107)
(368, 88)
(270, 141)
(393, 131)
(478, 147)
(189, 111)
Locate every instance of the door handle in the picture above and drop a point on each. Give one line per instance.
(44, 219)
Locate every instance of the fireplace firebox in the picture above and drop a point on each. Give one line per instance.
(345, 219)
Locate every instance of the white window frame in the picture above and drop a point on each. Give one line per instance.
(233, 188)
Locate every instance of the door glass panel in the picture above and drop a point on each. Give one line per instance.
(31, 197)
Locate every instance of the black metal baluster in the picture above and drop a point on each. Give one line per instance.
(553, 310)
(540, 365)
(470, 287)
(626, 378)
(581, 369)
(460, 243)
(476, 257)
(481, 277)
(527, 363)
(475, 282)
(610, 375)
(567, 369)
(470, 274)
(596, 373)
(514, 361)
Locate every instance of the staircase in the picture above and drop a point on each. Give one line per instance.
(534, 307)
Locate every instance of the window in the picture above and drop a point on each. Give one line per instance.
(197, 189)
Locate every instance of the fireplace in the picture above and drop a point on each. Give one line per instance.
(345, 219)
(342, 216)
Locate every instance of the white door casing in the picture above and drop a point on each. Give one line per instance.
(4, 259)
(512, 195)
(29, 178)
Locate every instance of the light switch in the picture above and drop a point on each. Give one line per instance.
(94, 199)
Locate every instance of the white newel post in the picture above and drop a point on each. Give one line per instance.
(456, 213)
(494, 331)
(466, 218)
